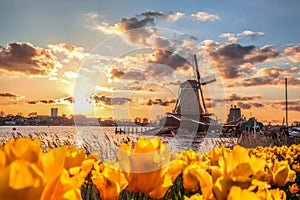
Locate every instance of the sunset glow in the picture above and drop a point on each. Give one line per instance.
(82, 58)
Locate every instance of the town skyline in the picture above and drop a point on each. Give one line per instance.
(109, 59)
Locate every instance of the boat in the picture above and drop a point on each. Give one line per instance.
(189, 114)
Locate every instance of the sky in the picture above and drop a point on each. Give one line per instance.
(126, 59)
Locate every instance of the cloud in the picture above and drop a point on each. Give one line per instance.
(245, 106)
(250, 33)
(230, 36)
(115, 73)
(93, 14)
(32, 102)
(174, 16)
(236, 37)
(69, 99)
(265, 80)
(48, 101)
(276, 72)
(28, 59)
(67, 51)
(160, 102)
(63, 100)
(135, 28)
(293, 105)
(126, 75)
(134, 75)
(230, 57)
(239, 97)
(293, 53)
(257, 105)
(294, 108)
(9, 95)
(169, 60)
(110, 101)
(203, 16)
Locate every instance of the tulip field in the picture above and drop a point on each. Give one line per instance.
(147, 170)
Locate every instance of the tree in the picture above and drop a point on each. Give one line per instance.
(145, 120)
(2, 113)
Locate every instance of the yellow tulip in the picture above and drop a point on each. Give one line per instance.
(63, 183)
(215, 154)
(236, 193)
(282, 173)
(2, 159)
(190, 156)
(176, 168)
(239, 193)
(21, 180)
(236, 168)
(146, 166)
(278, 194)
(64, 187)
(196, 175)
(108, 180)
(74, 157)
(26, 172)
(22, 148)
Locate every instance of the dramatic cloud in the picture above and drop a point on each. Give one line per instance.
(105, 28)
(269, 76)
(69, 99)
(134, 75)
(68, 50)
(110, 101)
(63, 100)
(9, 95)
(48, 101)
(129, 75)
(294, 108)
(32, 102)
(26, 58)
(138, 30)
(160, 102)
(203, 16)
(293, 105)
(276, 72)
(257, 105)
(293, 53)
(234, 60)
(256, 81)
(135, 28)
(242, 105)
(238, 97)
(114, 73)
(170, 61)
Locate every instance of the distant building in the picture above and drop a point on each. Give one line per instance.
(234, 114)
(54, 112)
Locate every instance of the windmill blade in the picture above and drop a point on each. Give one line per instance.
(198, 79)
(208, 79)
(196, 69)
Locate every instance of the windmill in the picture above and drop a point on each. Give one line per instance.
(190, 110)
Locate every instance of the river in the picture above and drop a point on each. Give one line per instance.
(100, 139)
